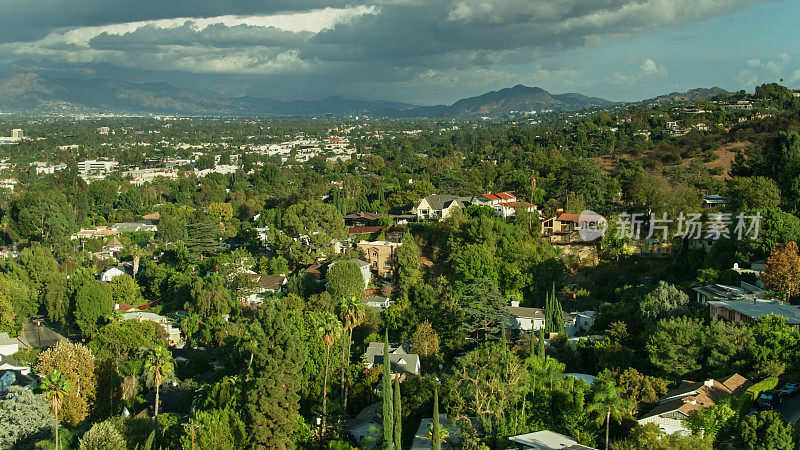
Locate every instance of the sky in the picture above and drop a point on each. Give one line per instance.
(418, 51)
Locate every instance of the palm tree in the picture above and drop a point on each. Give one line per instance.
(351, 312)
(158, 367)
(607, 404)
(331, 331)
(57, 386)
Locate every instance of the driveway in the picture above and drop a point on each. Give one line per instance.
(790, 408)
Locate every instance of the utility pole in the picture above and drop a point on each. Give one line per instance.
(191, 427)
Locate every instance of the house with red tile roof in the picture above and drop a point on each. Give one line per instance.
(505, 203)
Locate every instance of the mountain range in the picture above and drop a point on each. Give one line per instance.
(43, 94)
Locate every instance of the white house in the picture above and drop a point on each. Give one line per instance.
(111, 273)
(438, 207)
(504, 204)
(525, 319)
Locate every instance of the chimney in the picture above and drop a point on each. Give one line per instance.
(559, 211)
(515, 303)
(709, 383)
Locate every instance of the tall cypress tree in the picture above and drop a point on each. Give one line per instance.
(548, 314)
(558, 317)
(388, 408)
(436, 442)
(398, 418)
(540, 344)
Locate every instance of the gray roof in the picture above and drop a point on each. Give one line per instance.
(519, 311)
(362, 263)
(142, 225)
(546, 440)
(400, 361)
(439, 201)
(760, 308)
(727, 292)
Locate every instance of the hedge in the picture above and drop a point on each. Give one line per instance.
(745, 402)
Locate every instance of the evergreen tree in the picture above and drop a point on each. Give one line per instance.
(540, 344)
(558, 317)
(548, 314)
(398, 418)
(201, 237)
(271, 394)
(408, 262)
(386, 388)
(436, 441)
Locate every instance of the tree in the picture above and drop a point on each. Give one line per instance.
(351, 313)
(308, 230)
(202, 237)
(712, 420)
(345, 280)
(387, 395)
(783, 270)
(425, 341)
(330, 332)
(408, 257)
(776, 342)
(483, 309)
(664, 301)
(398, 416)
(607, 404)
(92, 303)
(472, 263)
(676, 346)
(210, 297)
(158, 367)
(271, 394)
(124, 290)
(23, 415)
(765, 430)
(540, 348)
(436, 441)
(124, 339)
(103, 436)
(56, 386)
(752, 193)
(221, 429)
(76, 364)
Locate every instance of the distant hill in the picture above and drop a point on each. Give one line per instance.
(42, 93)
(693, 94)
(516, 99)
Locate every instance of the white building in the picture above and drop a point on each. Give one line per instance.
(17, 133)
(95, 166)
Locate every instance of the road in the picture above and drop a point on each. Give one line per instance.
(790, 408)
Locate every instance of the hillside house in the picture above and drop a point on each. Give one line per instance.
(173, 333)
(438, 207)
(402, 363)
(504, 204)
(563, 228)
(673, 409)
(381, 256)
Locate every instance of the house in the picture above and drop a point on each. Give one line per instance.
(714, 201)
(173, 333)
(578, 322)
(563, 228)
(132, 227)
(546, 440)
(98, 232)
(366, 426)
(8, 345)
(402, 363)
(364, 219)
(525, 319)
(504, 203)
(111, 273)
(380, 255)
(264, 284)
(317, 270)
(744, 304)
(114, 245)
(377, 303)
(438, 207)
(364, 266)
(672, 410)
